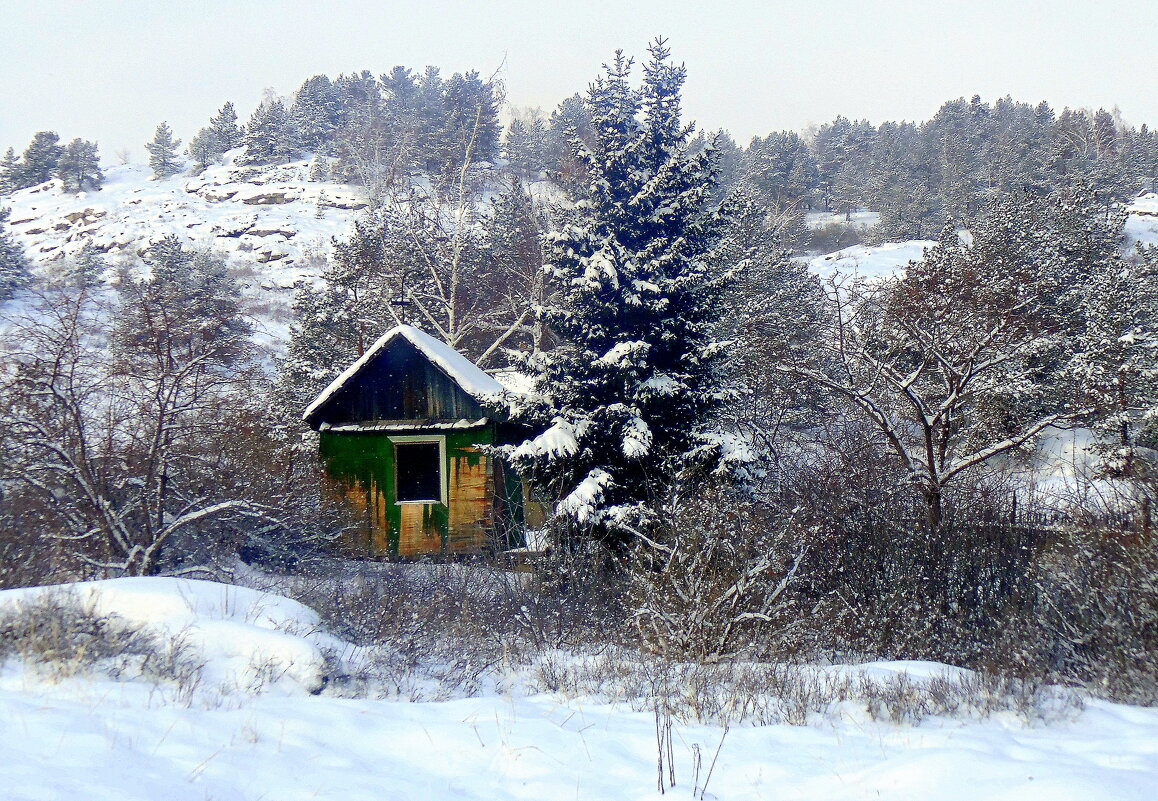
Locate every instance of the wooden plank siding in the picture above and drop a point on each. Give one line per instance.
(401, 384)
(363, 465)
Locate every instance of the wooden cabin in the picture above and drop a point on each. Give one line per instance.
(402, 434)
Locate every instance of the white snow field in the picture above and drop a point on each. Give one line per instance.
(254, 730)
(870, 262)
(1142, 224)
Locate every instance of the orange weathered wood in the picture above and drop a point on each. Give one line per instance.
(418, 534)
(471, 501)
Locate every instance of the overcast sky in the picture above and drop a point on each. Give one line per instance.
(111, 70)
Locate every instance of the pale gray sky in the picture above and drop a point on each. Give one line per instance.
(112, 70)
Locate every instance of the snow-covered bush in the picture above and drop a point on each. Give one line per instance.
(716, 579)
(1089, 615)
(60, 634)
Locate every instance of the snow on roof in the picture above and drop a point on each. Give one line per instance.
(470, 377)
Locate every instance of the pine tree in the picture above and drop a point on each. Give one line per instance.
(86, 269)
(369, 149)
(204, 149)
(518, 148)
(624, 401)
(40, 159)
(1113, 361)
(774, 306)
(514, 232)
(13, 263)
(9, 172)
(226, 132)
(571, 120)
(315, 115)
(80, 167)
(163, 153)
(267, 135)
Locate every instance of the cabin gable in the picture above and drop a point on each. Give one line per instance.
(398, 384)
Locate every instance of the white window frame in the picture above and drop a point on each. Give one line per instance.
(443, 478)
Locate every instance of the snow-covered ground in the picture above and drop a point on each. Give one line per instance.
(1142, 224)
(93, 737)
(858, 219)
(870, 261)
(891, 258)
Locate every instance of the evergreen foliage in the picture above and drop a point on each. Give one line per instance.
(623, 402)
(226, 132)
(163, 159)
(9, 172)
(40, 160)
(80, 167)
(775, 307)
(13, 263)
(267, 137)
(204, 149)
(314, 117)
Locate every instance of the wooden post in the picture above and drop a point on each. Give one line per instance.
(1146, 519)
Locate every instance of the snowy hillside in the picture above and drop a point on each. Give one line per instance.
(890, 258)
(1142, 224)
(273, 217)
(255, 722)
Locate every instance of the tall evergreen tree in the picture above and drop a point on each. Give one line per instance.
(226, 132)
(13, 263)
(624, 400)
(163, 157)
(80, 166)
(314, 116)
(204, 149)
(40, 160)
(9, 172)
(267, 135)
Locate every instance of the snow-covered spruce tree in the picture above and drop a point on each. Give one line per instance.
(226, 132)
(774, 305)
(9, 172)
(266, 134)
(163, 157)
(623, 403)
(314, 116)
(204, 149)
(13, 263)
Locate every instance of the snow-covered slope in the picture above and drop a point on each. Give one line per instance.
(891, 258)
(1142, 224)
(870, 261)
(271, 217)
(111, 736)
